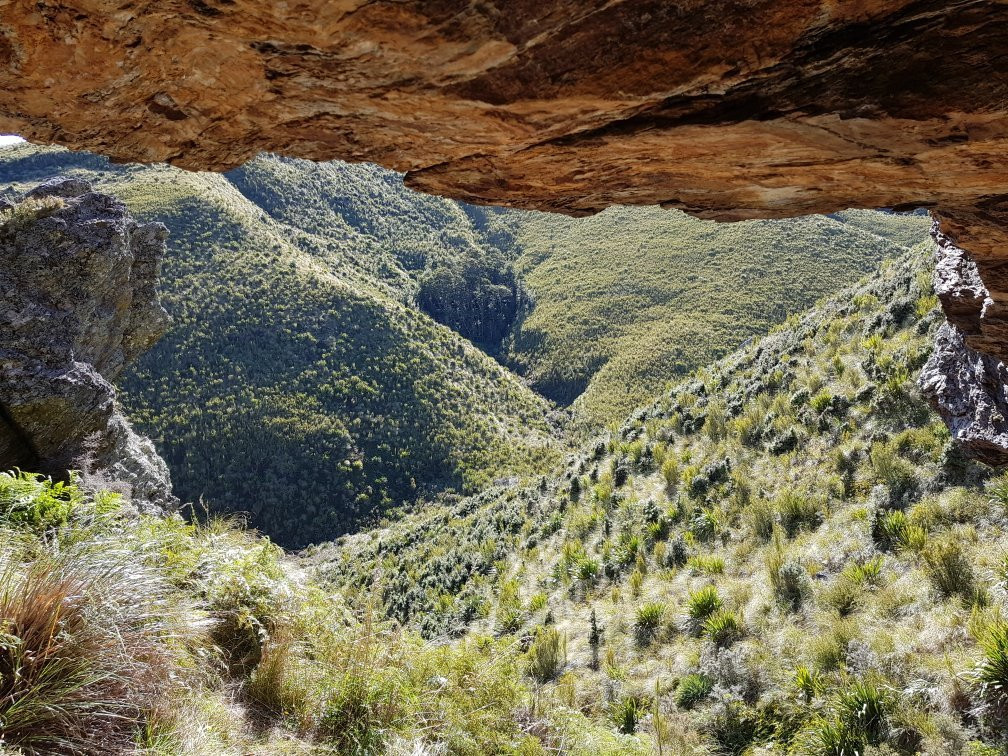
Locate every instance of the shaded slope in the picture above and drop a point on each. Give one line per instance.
(292, 384)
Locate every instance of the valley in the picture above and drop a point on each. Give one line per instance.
(332, 355)
(465, 480)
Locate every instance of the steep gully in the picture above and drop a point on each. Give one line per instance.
(728, 109)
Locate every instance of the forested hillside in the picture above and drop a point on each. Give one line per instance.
(784, 552)
(297, 382)
(306, 374)
(632, 299)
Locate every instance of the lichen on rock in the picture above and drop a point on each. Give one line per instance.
(78, 303)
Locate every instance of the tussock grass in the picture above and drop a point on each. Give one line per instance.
(92, 644)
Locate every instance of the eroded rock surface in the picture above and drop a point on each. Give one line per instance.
(77, 304)
(728, 109)
(970, 391)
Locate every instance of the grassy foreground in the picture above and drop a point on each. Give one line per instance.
(784, 554)
(131, 634)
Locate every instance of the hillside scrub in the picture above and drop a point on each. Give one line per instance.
(300, 384)
(330, 361)
(633, 299)
(818, 571)
(122, 633)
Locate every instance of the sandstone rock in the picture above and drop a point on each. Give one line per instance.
(728, 109)
(77, 304)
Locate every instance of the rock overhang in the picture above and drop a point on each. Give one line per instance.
(729, 109)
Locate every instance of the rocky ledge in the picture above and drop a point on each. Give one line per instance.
(728, 109)
(77, 304)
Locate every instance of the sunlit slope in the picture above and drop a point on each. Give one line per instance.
(633, 298)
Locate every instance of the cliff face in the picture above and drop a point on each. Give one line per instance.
(77, 304)
(728, 109)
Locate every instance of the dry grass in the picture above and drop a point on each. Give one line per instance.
(90, 646)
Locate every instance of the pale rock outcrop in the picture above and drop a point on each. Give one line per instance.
(77, 304)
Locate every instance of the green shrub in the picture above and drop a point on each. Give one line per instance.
(547, 654)
(864, 707)
(821, 401)
(797, 512)
(949, 569)
(588, 570)
(735, 727)
(829, 737)
(670, 474)
(538, 601)
(691, 690)
(703, 564)
(899, 475)
(627, 712)
(636, 582)
(761, 517)
(997, 489)
(789, 579)
(842, 595)
(993, 672)
(809, 682)
(895, 531)
(700, 605)
(865, 573)
(510, 613)
(723, 627)
(648, 620)
(629, 547)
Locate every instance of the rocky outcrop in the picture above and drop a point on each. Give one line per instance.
(966, 379)
(77, 304)
(728, 109)
(970, 391)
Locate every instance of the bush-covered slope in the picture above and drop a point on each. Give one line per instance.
(452, 260)
(784, 552)
(130, 634)
(297, 381)
(632, 299)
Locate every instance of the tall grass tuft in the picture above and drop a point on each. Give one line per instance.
(700, 605)
(949, 569)
(723, 627)
(648, 621)
(547, 654)
(993, 672)
(692, 689)
(91, 644)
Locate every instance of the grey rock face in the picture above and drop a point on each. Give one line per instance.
(77, 304)
(970, 391)
(968, 388)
